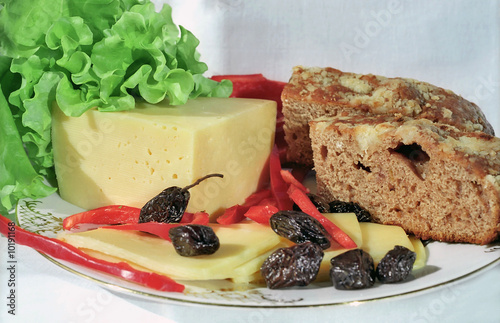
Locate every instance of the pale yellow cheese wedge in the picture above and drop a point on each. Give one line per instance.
(378, 239)
(421, 252)
(104, 158)
(239, 244)
(347, 222)
(350, 225)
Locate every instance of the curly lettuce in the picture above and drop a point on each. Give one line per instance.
(84, 54)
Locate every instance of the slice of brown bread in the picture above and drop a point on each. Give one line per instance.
(431, 179)
(315, 92)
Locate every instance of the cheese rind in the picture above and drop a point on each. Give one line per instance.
(104, 158)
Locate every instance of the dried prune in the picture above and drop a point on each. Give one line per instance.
(353, 269)
(170, 204)
(350, 207)
(299, 227)
(318, 201)
(297, 265)
(194, 240)
(396, 265)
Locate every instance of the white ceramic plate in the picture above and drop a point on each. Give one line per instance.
(446, 263)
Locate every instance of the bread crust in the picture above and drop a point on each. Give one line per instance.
(317, 92)
(432, 179)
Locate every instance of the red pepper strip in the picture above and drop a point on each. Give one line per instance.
(302, 200)
(112, 214)
(257, 197)
(279, 187)
(187, 217)
(200, 218)
(261, 213)
(233, 214)
(290, 179)
(300, 172)
(159, 229)
(62, 250)
(269, 201)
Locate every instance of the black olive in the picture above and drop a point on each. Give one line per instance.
(194, 240)
(297, 265)
(396, 265)
(353, 269)
(350, 207)
(299, 227)
(318, 201)
(169, 205)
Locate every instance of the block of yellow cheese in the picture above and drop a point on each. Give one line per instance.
(104, 158)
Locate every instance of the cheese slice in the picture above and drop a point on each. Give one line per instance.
(348, 223)
(239, 244)
(104, 158)
(378, 239)
(421, 252)
(243, 249)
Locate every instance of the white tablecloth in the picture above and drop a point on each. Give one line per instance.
(453, 44)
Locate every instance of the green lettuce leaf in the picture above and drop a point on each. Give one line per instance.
(84, 54)
(19, 178)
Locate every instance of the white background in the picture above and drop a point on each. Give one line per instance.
(451, 44)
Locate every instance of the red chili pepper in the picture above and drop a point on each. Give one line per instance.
(261, 213)
(233, 214)
(61, 250)
(279, 187)
(290, 179)
(302, 200)
(112, 214)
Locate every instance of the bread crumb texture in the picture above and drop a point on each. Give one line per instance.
(434, 180)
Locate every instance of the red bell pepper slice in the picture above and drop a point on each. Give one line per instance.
(257, 197)
(255, 86)
(279, 187)
(159, 229)
(290, 179)
(269, 201)
(304, 203)
(300, 172)
(112, 214)
(187, 217)
(62, 250)
(233, 214)
(261, 213)
(200, 218)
